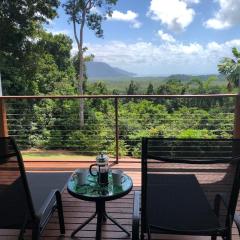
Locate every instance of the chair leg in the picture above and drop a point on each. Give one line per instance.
(142, 234)
(213, 237)
(228, 236)
(22, 230)
(36, 231)
(21, 234)
(149, 233)
(60, 212)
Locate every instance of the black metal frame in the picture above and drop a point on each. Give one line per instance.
(100, 212)
(102, 216)
(36, 221)
(224, 232)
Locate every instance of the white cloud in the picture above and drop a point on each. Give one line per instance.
(166, 37)
(136, 24)
(129, 16)
(95, 10)
(227, 15)
(55, 32)
(214, 46)
(175, 14)
(146, 58)
(217, 24)
(192, 1)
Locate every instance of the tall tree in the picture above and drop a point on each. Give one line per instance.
(81, 13)
(150, 89)
(132, 88)
(230, 67)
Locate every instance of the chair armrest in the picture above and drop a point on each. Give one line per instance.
(47, 202)
(136, 216)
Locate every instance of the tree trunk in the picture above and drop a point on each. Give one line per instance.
(81, 69)
(80, 89)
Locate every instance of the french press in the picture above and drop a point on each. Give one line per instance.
(102, 169)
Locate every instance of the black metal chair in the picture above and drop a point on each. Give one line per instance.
(27, 200)
(189, 187)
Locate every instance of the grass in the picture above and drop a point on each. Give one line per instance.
(55, 155)
(59, 155)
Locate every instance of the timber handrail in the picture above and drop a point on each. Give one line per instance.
(120, 96)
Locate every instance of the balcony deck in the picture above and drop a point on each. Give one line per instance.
(76, 211)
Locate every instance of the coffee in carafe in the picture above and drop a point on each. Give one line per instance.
(102, 169)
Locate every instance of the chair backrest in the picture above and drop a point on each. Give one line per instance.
(214, 163)
(16, 207)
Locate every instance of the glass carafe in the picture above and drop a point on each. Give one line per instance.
(102, 169)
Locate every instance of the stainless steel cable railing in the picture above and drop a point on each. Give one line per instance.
(115, 123)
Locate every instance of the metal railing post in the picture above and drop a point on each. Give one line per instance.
(3, 119)
(116, 129)
(236, 132)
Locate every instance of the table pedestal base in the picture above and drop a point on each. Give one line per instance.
(102, 216)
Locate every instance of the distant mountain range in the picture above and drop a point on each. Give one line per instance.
(103, 70)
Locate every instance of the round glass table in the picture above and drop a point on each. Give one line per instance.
(92, 191)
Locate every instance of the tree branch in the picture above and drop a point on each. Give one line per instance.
(82, 25)
(90, 3)
(75, 32)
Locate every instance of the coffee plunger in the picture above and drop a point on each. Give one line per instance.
(102, 169)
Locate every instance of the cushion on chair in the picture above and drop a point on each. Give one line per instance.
(170, 207)
(13, 207)
(41, 184)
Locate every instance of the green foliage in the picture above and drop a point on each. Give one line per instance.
(58, 46)
(18, 25)
(132, 88)
(122, 148)
(150, 89)
(193, 133)
(230, 67)
(172, 86)
(189, 118)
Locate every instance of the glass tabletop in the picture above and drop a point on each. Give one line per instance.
(91, 190)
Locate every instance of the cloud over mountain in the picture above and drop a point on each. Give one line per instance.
(167, 58)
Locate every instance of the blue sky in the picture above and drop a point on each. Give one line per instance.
(162, 37)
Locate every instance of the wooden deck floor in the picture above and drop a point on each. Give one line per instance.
(77, 211)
